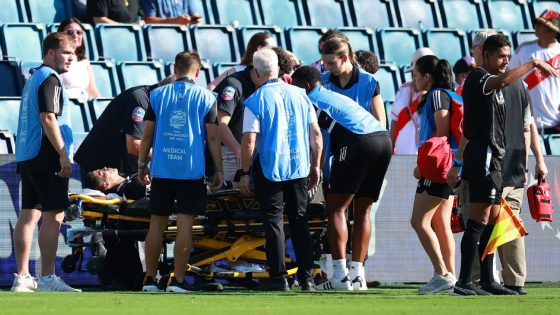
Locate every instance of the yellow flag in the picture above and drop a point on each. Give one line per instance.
(507, 229)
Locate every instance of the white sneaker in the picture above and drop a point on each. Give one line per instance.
(55, 284)
(438, 284)
(24, 284)
(359, 283)
(332, 284)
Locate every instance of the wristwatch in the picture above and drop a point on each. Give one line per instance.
(240, 172)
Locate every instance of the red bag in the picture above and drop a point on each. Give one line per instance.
(540, 201)
(456, 217)
(435, 159)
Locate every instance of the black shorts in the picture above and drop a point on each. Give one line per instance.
(359, 168)
(483, 170)
(442, 191)
(190, 196)
(486, 189)
(44, 191)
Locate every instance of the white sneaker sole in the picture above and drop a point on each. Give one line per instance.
(440, 290)
(21, 289)
(176, 290)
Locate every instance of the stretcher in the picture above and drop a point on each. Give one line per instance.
(230, 231)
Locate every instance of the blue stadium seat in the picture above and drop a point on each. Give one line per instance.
(240, 12)
(10, 79)
(423, 14)
(49, 11)
(449, 44)
(553, 144)
(538, 6)
(166, 41)
(206, 72)
(286, 13)
(511, 15)
(81, 120)
(471, 14)
(389, 79)
(26, 66)
(97, 106)
(218, 43)
(245, 33)
(9, 106)
(361, 38)
(522, 36)
(397, 45)
(89, 38)
(327, 13)
(134, 73)
(78, 138)
(22, 40)
(303, 41)
(221, 67)
(7, 143)
(506, 33)
(106, 78)
(121, 42)
(373, 13)
(13, 11)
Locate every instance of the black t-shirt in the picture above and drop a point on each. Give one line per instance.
(353, 80)
(485, 116)
(50, 101)
(132, 188)
(518, 101)
(105, 144)
(116, 10)
(232, 92)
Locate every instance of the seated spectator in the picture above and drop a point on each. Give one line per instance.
(79, 81)
(461, 70)
(367, 61)
(108, 180)
(257, 41)
(171, 11)
(113, 11)
(404, 114)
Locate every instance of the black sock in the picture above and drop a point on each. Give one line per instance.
(469, 246)
(487, 265)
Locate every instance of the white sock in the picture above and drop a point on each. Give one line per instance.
(355, 269)
(339, 269)
(362, 272)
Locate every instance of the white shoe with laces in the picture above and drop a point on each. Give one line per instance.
(332, 284)
(24, 284)
(54, 284)
(359, 283)
(438, 284)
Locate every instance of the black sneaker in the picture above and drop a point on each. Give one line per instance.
(308, 285)
(497, 289)
(519, 289)
(468, 288)
(176, 287)
(150, 285)
(273, 285)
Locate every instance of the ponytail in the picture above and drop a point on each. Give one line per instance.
(443, 75)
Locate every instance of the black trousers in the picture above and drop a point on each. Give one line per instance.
(272, 197)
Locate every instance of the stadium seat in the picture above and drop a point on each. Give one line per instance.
(286, 13)
(78, 138)
(522, 36)
(97, 106)
(166, 41)
(89, 37)
(471, 15)
(303, 41)
(239, 12)
(206, 72)
(13, 11)
(388, 106)
(538, 6)
(422, 14)
(389, 79)
(218, 43)
(373, 13)
(7, 143)
(10, 79)
(134, 73)
(221, 67)
(49, 11)
(553, 144)
(397, 45)
(449, 44)
(120, 42)
(26, 66)
(327, 13)
(9, 106)
(106, 78)
(81, 120)
(506, 33)
(22, 40)
(245, 33)
(511, 15)
(361, 38)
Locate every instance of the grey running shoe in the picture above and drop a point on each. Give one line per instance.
(150, 285)
(438, 284)
(54, 284)
(497, 289)
(176, 287)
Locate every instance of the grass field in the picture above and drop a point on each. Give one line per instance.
(542, 299)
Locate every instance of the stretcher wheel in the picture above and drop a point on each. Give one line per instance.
(70, 262)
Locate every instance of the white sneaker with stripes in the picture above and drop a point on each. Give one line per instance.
(333, 284)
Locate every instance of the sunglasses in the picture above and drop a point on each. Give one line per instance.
(72, 32)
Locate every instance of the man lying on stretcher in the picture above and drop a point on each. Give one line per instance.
(108, 180)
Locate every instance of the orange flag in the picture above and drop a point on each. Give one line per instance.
(507, 229)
